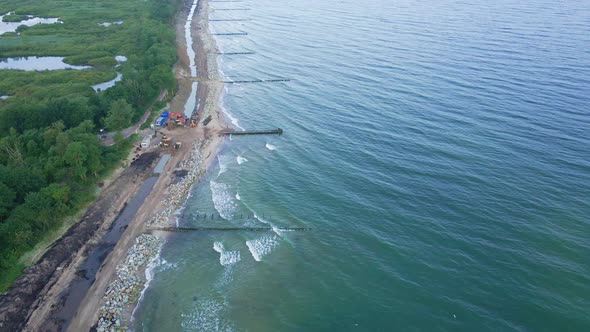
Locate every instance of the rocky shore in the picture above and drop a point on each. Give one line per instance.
(127, 286)
(130, 278)
(178, 192)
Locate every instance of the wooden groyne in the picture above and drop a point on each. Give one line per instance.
(230, 20)
(277, 131)
(226, 229)
(257, 81)
(234, 53)
(230, 34)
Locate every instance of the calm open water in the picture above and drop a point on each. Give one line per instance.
(439, 150)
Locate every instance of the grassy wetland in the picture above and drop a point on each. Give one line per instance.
(51, 157)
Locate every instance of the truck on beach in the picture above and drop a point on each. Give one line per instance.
(161, 120)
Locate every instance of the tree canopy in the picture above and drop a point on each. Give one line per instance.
(50, 153)
(119, 115)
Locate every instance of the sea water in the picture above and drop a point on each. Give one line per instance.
(438, 150)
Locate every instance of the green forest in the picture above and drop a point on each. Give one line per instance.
(51, 157)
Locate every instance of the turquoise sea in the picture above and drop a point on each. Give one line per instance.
(438, 150)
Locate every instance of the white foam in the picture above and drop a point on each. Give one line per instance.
(241, 160)
(206, 315)
(270, 147)
(222, 200)
(164, 265)
(275, 229)
(230, 257)
(232, 118)
(222, 166)
(218, 246)
(226, 278)
(226, 257)
(261, 219)
(149, 275)
(262, 246)
(238, 197)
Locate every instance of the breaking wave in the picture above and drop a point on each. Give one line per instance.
(226, 257)
(241, 160)
(262, 246)
(222, 166)
(206, 315)
(222, 200)
(231, 118)
(156, 261)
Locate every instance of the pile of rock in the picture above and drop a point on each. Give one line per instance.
(125, 289)
(178, 192)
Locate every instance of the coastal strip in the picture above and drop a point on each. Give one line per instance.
(36, 302)
(123, 294)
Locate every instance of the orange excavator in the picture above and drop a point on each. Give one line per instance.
(178, 119)
(174, 115)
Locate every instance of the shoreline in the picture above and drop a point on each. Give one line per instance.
(119, 303)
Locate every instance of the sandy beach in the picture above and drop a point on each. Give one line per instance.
(109, 302)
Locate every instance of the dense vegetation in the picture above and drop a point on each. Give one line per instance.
(50, 154)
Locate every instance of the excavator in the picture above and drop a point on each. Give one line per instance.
(176, 120)
(194, 120)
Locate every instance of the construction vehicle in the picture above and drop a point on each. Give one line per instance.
(175, 120)
(161, 120)
(156, 132)
(174, 115)
(165, 142)
(194, 120)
